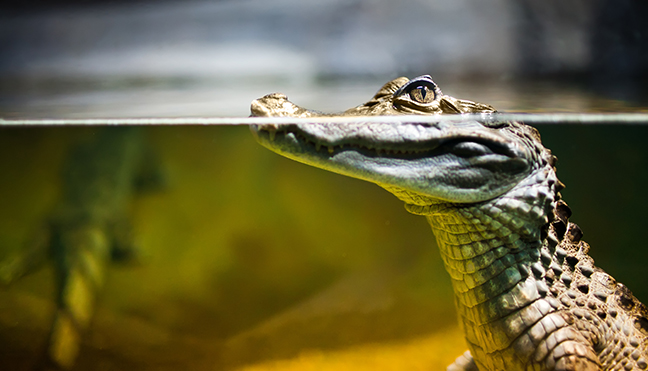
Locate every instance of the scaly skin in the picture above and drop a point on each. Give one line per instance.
(87, 229)
(527, 294)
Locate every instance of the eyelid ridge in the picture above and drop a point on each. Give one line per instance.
(424, 80)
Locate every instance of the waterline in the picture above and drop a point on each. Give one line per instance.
(529, 118)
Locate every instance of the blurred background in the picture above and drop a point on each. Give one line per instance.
(254, 262)
(178, 58)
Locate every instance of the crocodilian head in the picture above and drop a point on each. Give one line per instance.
(421, 163)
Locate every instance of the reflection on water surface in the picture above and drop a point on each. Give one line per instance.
(176, 98)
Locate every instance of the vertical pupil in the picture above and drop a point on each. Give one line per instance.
(422, 94)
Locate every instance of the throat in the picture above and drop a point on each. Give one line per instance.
(494, 252)
(484, 257)
(490, 249)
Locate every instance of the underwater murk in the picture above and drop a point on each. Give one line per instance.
(249, 261)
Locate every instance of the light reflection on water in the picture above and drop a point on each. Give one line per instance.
(175, 98)
(252, 259)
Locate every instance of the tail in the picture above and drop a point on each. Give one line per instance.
(81, 255)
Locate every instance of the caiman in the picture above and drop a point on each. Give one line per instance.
(527, 293)
(87, 230)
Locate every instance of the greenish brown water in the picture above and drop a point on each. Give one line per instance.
(236, 247)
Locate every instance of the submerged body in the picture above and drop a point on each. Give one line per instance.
(88, 228)
(527, 294)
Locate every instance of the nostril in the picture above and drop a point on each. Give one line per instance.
(258, 109)
(276, 96)
(268, 105)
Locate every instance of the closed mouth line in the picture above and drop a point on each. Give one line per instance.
(396, 150)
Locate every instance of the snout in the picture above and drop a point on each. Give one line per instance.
(269, 105)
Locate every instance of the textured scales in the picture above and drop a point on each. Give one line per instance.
(88, 228)
(528, 295)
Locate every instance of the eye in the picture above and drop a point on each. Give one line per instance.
(420, 90)
(422, 94)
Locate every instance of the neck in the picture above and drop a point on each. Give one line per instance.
(493, 252)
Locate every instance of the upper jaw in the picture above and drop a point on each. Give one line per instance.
(382, 138)
(377, 137)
